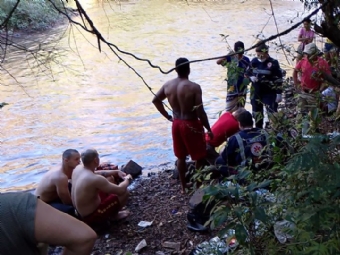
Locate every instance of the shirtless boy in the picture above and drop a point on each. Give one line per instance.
(94, 195)
(53, 187)
(185, 98)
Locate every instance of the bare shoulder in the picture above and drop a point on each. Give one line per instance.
(170, 83)
(58, 176)
(97, 179)
(196, 86)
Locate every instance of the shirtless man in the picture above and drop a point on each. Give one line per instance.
(53, 187)
(94, 195)
(185, 98)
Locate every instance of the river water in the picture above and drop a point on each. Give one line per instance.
(81, 97)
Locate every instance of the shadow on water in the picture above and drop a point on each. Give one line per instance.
(82, 98)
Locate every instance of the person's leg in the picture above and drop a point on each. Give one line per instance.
(257, 108)
(122, 214)
(182, 169)
(57, 228)
(269, 101)
(178, 134)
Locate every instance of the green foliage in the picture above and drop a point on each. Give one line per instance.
(302, 189)
(30, 14)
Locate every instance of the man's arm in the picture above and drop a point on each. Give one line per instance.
(330, 79)
(108, 173)
(63, 191)
(104, 185)
(158, 102)
(201, 114)
(278, 76)
(223, 61)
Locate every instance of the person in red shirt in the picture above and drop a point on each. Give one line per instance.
(313, 70)
(225, 127)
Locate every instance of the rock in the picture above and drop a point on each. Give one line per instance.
(175, 174)
(159, 253)
(196, 198)
(141, 245)
(132, 168)
(172, 245)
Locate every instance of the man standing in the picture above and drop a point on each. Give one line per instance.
(314, 70)
(185, 98)
(53, 188)
(94, 195)
(266, 76)
(237, 83)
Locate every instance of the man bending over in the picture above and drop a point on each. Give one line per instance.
(94, 195)
(53, 188)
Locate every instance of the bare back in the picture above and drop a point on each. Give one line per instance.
(47, 188)
(84, 193)
(183, 95)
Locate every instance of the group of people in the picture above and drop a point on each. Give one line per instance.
(189, 117)
(313, 78)
(69, 201)
(245, 143)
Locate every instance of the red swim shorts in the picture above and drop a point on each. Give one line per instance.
(108, 207)
(188, 139)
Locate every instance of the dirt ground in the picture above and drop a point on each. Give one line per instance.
(157, 199)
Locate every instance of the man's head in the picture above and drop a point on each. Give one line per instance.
(262, 52)
(71, 158)
(239, 47)
(182, 70)
(245, 120)
(90, 158)
(311, 51)
(238, 111)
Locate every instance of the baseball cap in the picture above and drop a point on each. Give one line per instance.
(311, 49)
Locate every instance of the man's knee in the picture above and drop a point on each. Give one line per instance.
(87, 236)
(123, 198)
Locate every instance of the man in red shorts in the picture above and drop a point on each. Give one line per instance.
(185, 98)
(95, 194)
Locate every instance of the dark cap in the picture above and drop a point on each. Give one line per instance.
(262, 48)
(239, 47)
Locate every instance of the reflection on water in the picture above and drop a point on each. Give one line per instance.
(86, 98)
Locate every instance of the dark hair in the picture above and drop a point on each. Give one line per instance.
(308, 20)
(239, 47)
(262, 48)
(182, 70)
(88, 156)
(238, 111)
(245, 119)
(68, 153)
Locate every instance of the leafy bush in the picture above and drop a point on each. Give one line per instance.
(30, 14)
(302, 191)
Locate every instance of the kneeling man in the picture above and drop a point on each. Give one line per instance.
(95, 195)
(246, 148)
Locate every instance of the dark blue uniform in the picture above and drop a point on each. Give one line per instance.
(243, 149)
(265, 89)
